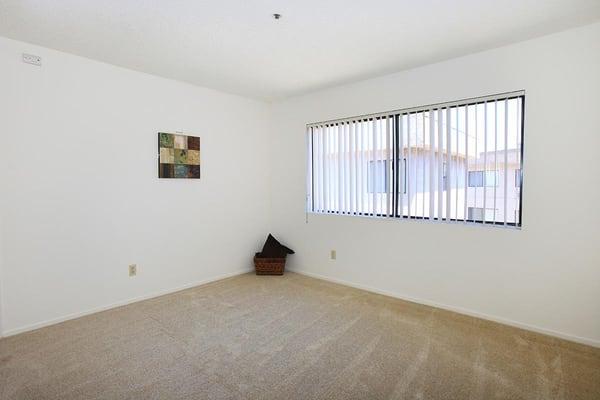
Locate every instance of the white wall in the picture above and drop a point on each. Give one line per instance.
(81, 195)
(1, 249)
(545, 276)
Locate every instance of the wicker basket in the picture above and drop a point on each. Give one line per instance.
(269, 266)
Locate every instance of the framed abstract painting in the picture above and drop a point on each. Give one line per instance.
(178, 156)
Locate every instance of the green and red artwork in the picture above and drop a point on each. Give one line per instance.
(178, 156)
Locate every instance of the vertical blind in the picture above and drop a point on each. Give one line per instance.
(459, 161)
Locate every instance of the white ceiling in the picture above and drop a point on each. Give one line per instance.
(237, 47)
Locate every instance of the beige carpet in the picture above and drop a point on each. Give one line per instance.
(290, 337)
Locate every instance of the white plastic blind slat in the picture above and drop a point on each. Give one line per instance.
(431, 164)
(338, 168)
(384, 165)
(476, 189)
(495, 174)
(440, 159)
(505, 191)
(345, 152)
(318, 178)
(454, 161)
(375, 133)
(365, 166)
(448, 185)
(332, 167)
(409, 166)
(326, 207)
(322, 171)
(342, 166)
(380, 169)
(423, 158)
(352, 165)
(322, 178)
(315, 169)
(347, 175)
(309, 164)
(485, 149)
(359, 173)
(355, 160)
(389, 143)
(466, 162)
(456, 164)
(519, 134)
(401, 167)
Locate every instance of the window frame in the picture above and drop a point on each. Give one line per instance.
(395, 181)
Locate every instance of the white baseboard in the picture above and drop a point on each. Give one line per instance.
(58, 320)
(460, 310)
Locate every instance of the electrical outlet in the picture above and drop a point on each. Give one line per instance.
(333, 255)
(133, 270)
(31, 59)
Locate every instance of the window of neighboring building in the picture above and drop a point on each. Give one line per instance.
(476, 214)
(476, 178)
(378, 168)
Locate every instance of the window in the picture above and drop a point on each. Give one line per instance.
(476, 178)
(446, 162)
(476, 214)
(378, 168)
